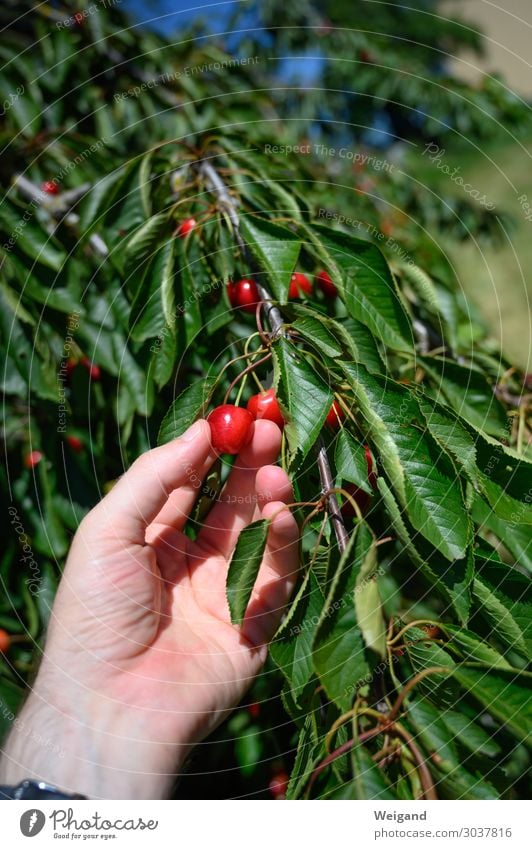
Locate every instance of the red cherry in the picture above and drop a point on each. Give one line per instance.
(335, 416)
(243, 294)
(254, 710)
(186, 227)
(5, 641)
(361, 497)
(50, 187)
(432, 632)
(279, 785)
(79, 18)
(70, 366)
(230, 428)
(387, 226)
(372, 476)
(264, 405)
(365, 56)
(31, 459)
(75, 443)
(300, 286)
(92, 368)
(326, 285)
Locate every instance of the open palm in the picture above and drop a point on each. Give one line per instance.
(141, 621)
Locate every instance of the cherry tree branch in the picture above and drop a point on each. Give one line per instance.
(275, 319)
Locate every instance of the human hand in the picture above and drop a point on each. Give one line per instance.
(141, 660)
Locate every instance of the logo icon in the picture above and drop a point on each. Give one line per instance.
(32, 822)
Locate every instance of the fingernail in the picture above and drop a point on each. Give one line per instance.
(193, 432)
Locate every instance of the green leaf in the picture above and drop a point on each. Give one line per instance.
(29, 236)
(496, 609)
(244, 568)
(469, 394)
(291, 648)
(153, 310)
(275, 248)
(424, 480)
(141, 244)
(368, 604)
(516, 539)
(190, 405)
(474, 649)
(350, 460)
(369, 290)
(133, 377)
(470, 735)
(369, 781)
(360, 343)
(303, 395)
(506, 695)
(453, 582)
(315, 331)
(338, 652)
(433, 733)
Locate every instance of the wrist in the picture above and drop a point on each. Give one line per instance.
(80, 747)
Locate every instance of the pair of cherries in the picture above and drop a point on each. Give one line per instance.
(231, 426)
(244, 294)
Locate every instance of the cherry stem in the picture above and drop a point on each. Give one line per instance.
(247, 370)
(429, 791)
(412, 625)
(431, 670)
(266, 341)
(341, 750)
(350, 498)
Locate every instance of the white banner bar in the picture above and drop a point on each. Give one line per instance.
(228, 824)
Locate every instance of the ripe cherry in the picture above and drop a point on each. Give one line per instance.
(264, 405)
(279, 785)
(300, 286)
(372, 475)
(31, 459)
(361, 497)
(254, 710)
(335, 416)
(231, 428)
(75, 443)
(186, 227)
(92, 368)
(70, 366)
(243, 294)
(326, 285)
(5, 641)
(432, 632)
(50, 187)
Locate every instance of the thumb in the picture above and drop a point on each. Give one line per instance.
(143, 490)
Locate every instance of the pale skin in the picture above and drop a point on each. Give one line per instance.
(141, 661)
